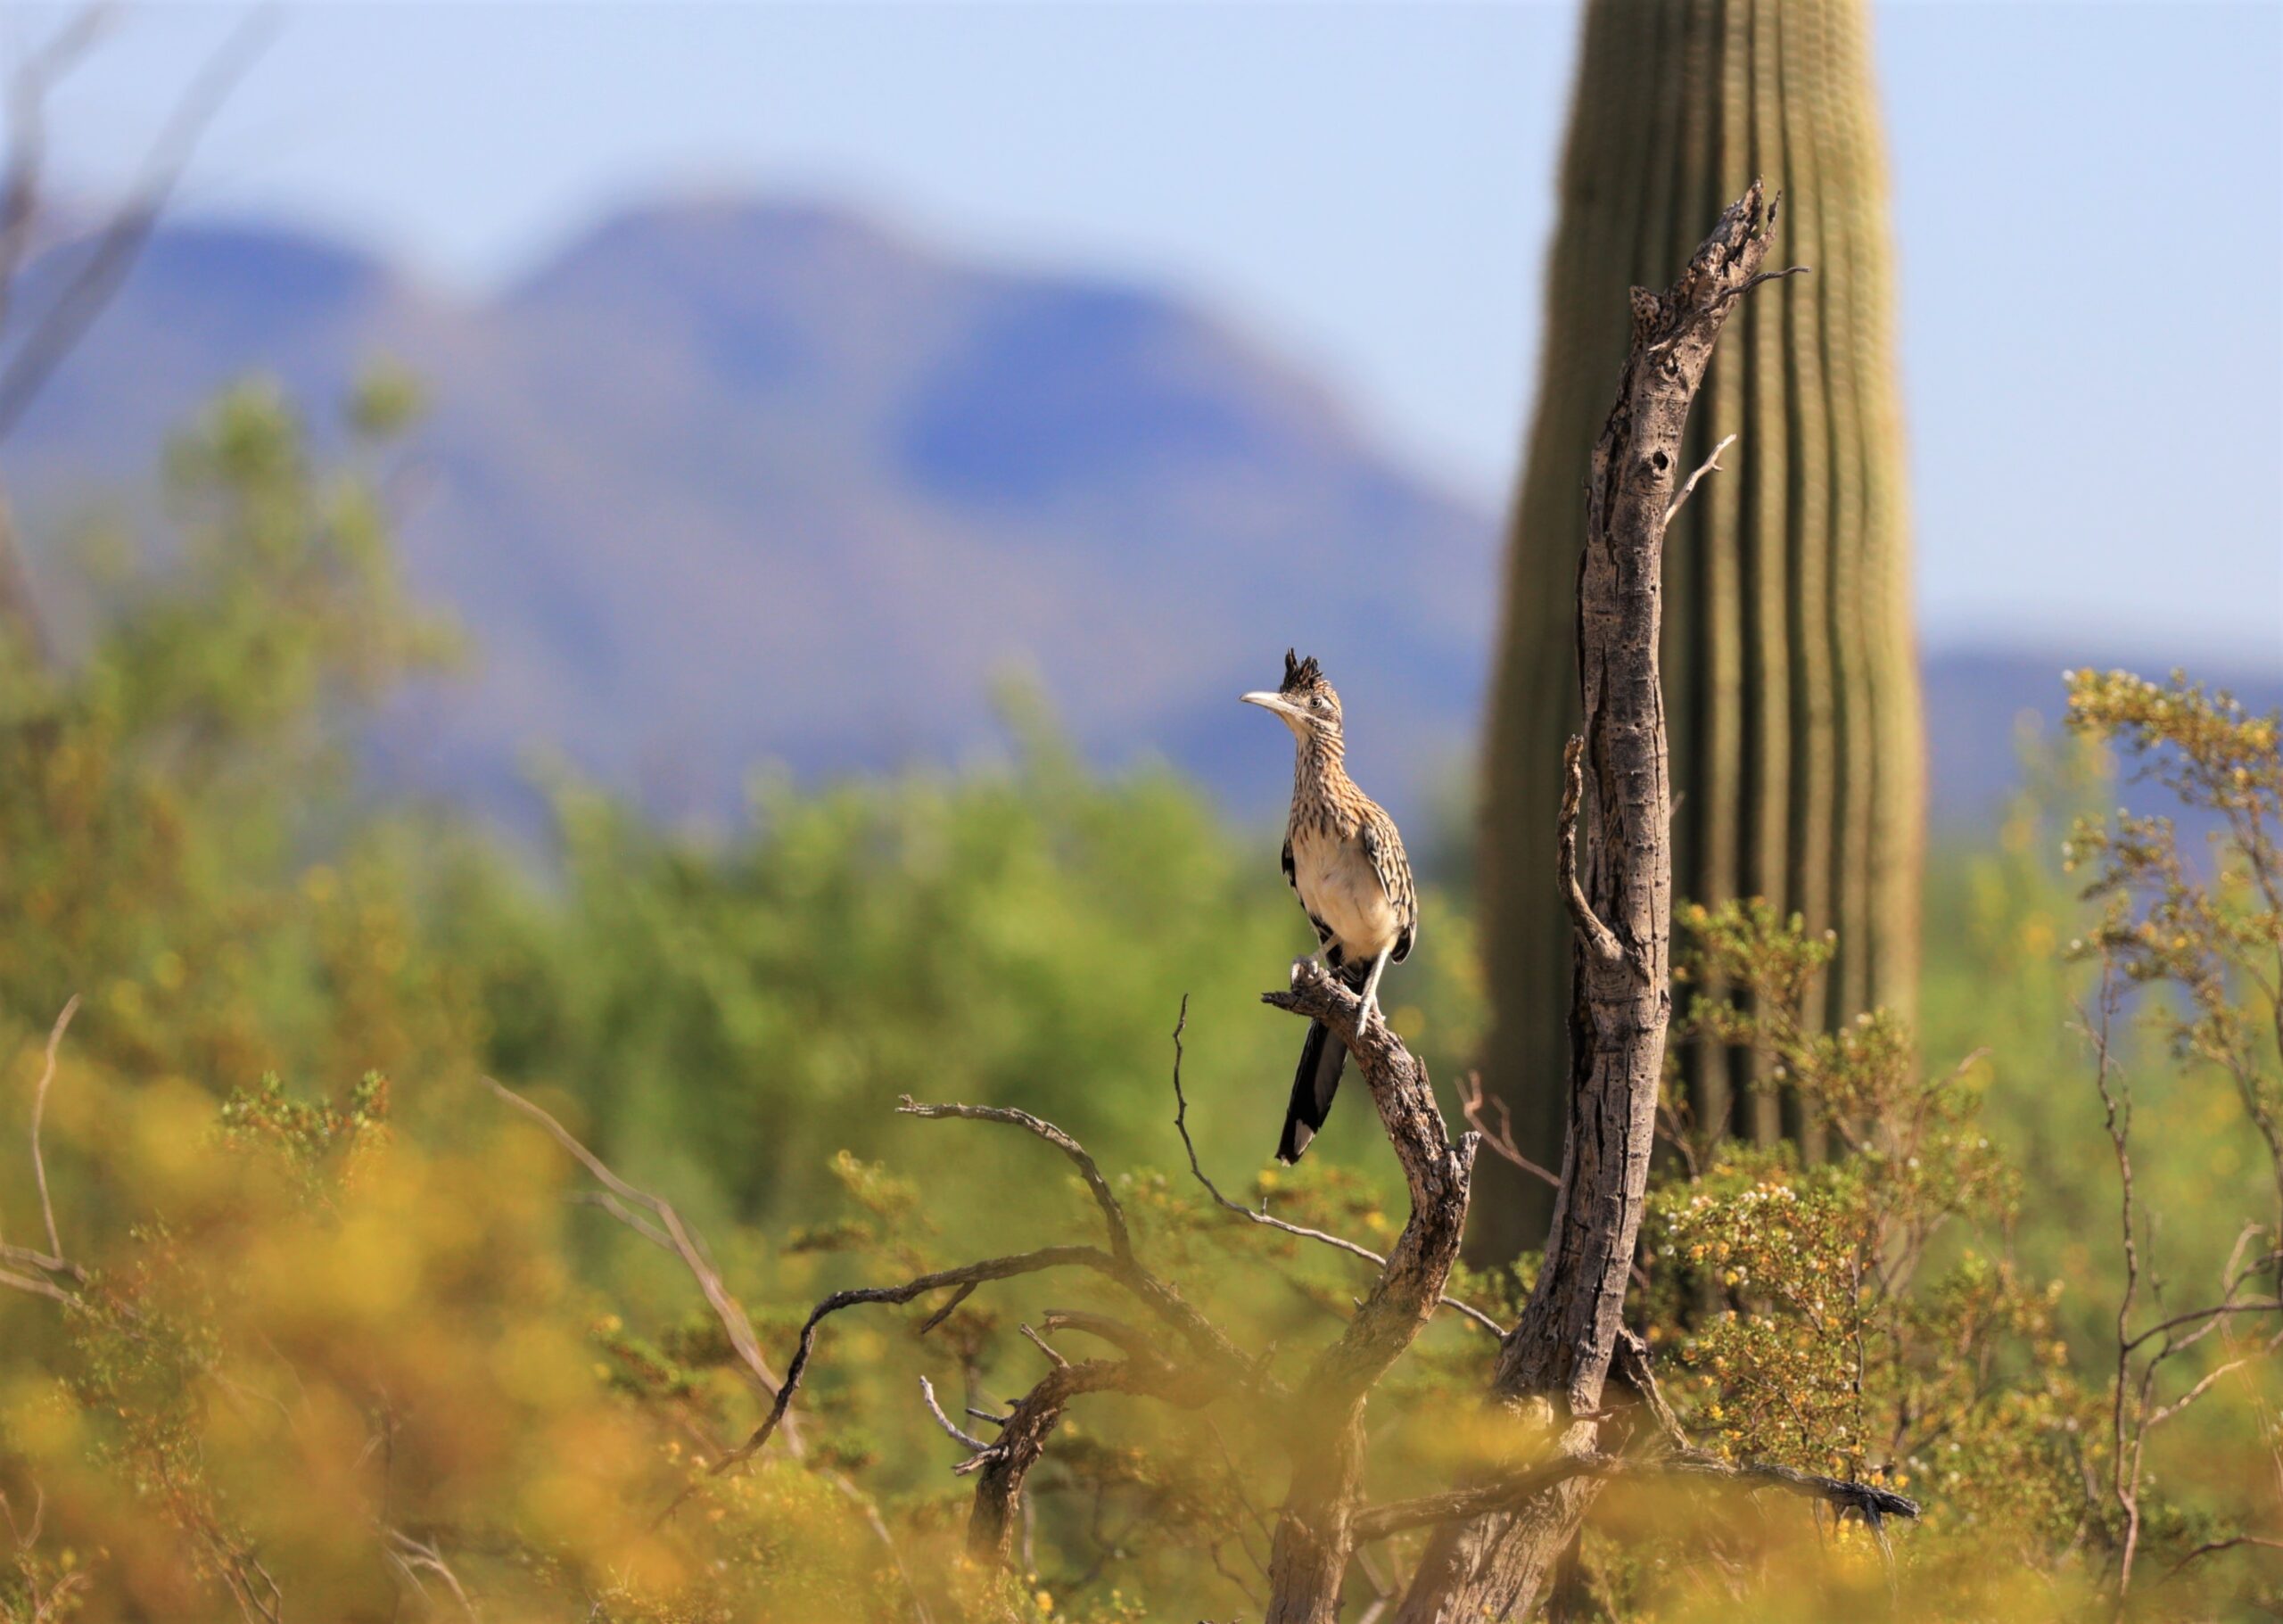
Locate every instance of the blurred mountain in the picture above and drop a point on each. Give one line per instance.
(725, 484)
(1985, 705)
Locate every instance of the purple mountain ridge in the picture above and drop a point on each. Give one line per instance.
(733, 483)
(728, 483)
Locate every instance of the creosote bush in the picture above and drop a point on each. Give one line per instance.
(1860, 1315)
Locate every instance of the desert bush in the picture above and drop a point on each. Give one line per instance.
(304, 1322)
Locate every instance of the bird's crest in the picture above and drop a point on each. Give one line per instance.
(1300, 674)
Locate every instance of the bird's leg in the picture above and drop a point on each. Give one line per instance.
(1372, 990)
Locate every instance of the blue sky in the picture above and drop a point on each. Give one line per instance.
(2089, 203)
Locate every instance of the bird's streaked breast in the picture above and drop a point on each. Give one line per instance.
(1339, 886)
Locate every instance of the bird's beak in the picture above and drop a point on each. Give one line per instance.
(1274, 702)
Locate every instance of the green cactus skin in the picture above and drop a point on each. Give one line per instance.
(1790, 663)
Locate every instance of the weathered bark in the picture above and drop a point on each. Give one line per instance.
(1619, 888)
(1315, 1533)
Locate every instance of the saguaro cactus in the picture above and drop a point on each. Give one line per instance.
(1797, 746)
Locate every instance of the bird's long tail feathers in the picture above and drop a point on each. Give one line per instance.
(1323, 1057)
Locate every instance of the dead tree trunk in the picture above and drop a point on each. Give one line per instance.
(1553, 1363)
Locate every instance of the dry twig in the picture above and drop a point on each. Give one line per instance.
(1710, 464)
(52, 1261)
(669, 1234)
(117, 246)
(1475, 1104)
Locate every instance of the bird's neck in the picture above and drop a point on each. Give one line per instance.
(1321, 748)
(1319, 760)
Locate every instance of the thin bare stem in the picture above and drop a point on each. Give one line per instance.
(35, 80)
(2116, 1115)
(120, 243)
(1475, 1104)
(2217, 1311)
(618, 1198)
(1400, 1516)
(55, 1259)
(35, 1285)
(1121, 1242)
(1117, 1333)
(951, 1427)
(989, 1268)
(2158, 1417)
(1053, 1357)
(2213, 1547)
(1710, 464)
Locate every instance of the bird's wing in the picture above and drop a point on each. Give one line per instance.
(1383, 850)
(1292, 878)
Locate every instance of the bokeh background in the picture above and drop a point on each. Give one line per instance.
(698, 559)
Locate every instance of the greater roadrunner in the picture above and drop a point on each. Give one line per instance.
(1343, 856)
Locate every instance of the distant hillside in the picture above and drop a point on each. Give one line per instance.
(730, 483)
(1979, 702)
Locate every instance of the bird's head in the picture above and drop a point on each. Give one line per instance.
(1304, 700)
